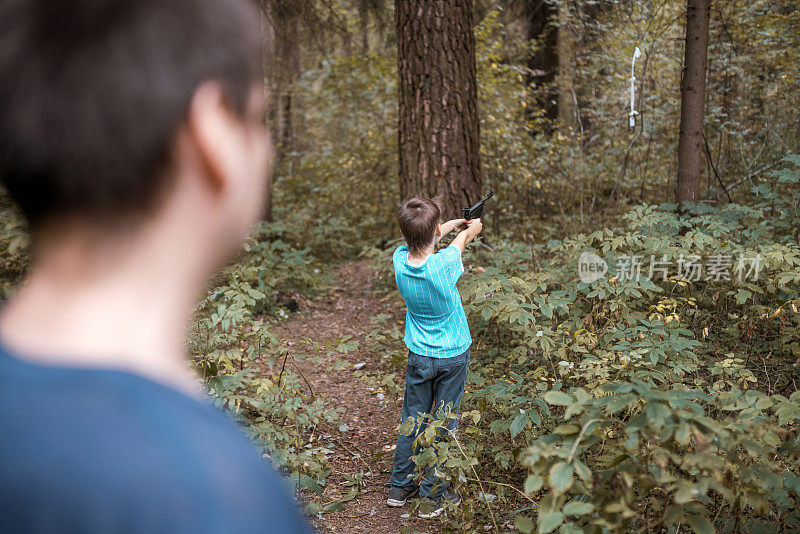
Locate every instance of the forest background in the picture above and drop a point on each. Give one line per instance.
(653, 403)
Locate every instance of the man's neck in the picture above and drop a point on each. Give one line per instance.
(125, 312)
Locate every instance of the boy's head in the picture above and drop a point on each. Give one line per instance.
(109, 108)
(419, 222)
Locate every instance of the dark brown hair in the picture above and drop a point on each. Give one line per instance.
(93, 93)
(418, 218)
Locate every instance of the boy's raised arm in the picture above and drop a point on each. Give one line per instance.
(449, 226)
(474, 227)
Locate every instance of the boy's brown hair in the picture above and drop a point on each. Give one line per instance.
(418, 218)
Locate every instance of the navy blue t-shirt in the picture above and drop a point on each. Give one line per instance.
(99, 450)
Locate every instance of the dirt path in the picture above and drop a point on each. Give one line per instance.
(370, 413)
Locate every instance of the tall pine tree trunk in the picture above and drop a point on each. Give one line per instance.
(438, 117)
(693, 90)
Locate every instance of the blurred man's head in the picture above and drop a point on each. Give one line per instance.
(113, 112)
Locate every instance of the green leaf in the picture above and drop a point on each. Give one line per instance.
(618, 460)
(582, 471)
(685, 493)
(701, 525)
(763, 403)
(561, 477)
(570, 528)
(524, 524)
(558, 398)
(578, 508)
(682, 434)
(308, 482)
(336, 506)
(566, 429)
(518, 424)
(533, 483)
(791, 480)
(742, 295)
(549, 521)
(657, 414)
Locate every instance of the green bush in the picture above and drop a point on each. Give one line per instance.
(245, 364)
(337, 182)
(13, 246)
(636, 403)
(647, 457)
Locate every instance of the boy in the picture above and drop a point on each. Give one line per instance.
(131, 137)
(437, 337)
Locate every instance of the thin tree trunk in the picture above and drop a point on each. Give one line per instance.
(567, 111)
(438, 127)
(288, 61)
(363, 14)
(265, 65)
(282, 67)
(543, 63)
(590, 32)
(693, 88)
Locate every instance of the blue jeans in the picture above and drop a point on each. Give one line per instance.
(431, 383)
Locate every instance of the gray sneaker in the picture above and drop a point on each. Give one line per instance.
(429, 508)
(399, 496)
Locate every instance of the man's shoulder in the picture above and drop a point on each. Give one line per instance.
(113, 417)
(124, 447)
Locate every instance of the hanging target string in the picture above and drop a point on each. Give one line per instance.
(632, 115)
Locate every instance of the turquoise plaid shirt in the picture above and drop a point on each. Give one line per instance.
(436, 325)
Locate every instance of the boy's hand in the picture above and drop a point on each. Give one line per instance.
(474, 226)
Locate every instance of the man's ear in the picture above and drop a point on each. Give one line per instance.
(207, 124)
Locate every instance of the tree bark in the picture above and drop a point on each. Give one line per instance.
(287, 52)
(438, 127)
(265, 65)
(281, 63)
(543, 63)
(363, 19)
(693, 89)
(567, 111)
